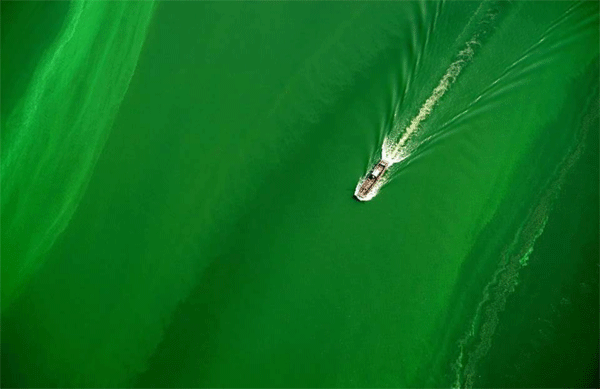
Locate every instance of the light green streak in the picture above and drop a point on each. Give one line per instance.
(56, 133)
(506, 277)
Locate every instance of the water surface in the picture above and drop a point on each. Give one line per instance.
(177, 195)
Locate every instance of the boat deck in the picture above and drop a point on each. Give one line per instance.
(373, 177)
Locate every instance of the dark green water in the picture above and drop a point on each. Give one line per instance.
(177, 183)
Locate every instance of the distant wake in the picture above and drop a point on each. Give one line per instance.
(53, 137)
(477, 341)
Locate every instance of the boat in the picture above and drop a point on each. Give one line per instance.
(364, 193)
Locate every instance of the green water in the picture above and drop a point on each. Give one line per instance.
(177, 183)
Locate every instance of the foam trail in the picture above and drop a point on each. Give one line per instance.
(53, 137)
(392, 151)
(395, 148)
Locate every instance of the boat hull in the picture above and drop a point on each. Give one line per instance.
(369, 186)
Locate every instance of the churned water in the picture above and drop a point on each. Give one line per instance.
(177, 182)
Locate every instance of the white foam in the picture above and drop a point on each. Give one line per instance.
(394, 150)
